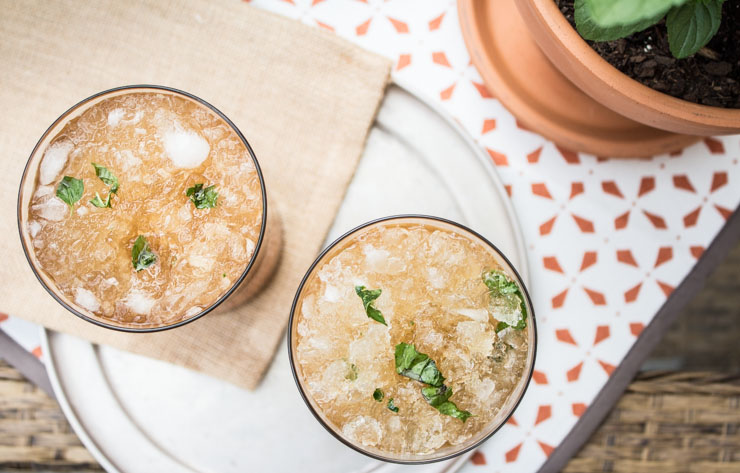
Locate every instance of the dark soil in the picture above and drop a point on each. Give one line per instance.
(710, 77)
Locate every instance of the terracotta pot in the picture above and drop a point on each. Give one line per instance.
(544, 100)
(565, 48)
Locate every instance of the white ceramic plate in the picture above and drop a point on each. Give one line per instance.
(137, 414)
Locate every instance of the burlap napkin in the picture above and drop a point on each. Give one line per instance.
(303, 98)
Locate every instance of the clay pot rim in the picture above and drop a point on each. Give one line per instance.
(616, 82)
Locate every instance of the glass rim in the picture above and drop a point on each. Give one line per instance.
(153, 88)
(304, 395)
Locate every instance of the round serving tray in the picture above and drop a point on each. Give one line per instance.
(138, 414)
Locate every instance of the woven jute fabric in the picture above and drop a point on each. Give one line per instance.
(304, 99)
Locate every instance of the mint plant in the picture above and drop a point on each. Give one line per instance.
(690, 23)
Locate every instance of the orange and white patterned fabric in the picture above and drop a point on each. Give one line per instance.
(607, 240)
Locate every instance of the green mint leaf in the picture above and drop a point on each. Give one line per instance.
(378, 394)
(368, 297)
(202, 198)
(591, 30)
(392, 405)
(70, 191)
(417, 366)
(449, 408)
(351, 373)
(506, 297)
(99, 202)
(107, 177)
(141, 256)
(607, 13)
(500, 326)
(435, 396)
(691, 26)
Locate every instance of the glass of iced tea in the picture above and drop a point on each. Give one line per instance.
(412, 339)
(143, 208)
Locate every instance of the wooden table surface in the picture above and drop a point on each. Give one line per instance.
(684, 418)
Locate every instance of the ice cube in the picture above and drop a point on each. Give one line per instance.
(481, 388)
(86, 299)
(53, 209)
(185, 213)
(308, 308)
(186, 149)
(479, 315)
(126, 159)
(250, 248)
(476, 336)
(139, 302)
(437, 279)
(193, 311)
(110, 282)
(374, 346)
(54, 160)
(43, 191)
(201, 262)
(331, 293)
(114, 116)
(333, 381)
(82, 210)
(363, 429)
(33, 228)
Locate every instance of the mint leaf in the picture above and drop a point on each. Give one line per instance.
(368, 297)
(435, 396)
(449, 408)
(417, 366)
(691, 26)
(506, 298)
(202, 198)
(70, 191)
(607, 13)
(99, 202)
(589, 29)
(392, 405)
(420, 367)
(107, 177)
(141, 256)
(378, 394)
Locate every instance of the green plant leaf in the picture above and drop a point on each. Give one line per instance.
(607, 13)
(691, 26)
(589, 29)
(107, 177)
(506, 297)
(99, 202)
(202, 198)
(435, 396)
(392, 405)
(417, 366)
(368, 297)
(70, 190)
(449, 408)
(378, 394)
(141, 256)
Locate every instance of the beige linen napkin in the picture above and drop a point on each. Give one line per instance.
(303, 98)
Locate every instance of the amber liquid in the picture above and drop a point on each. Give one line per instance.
(433, 297)
(158, 146)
